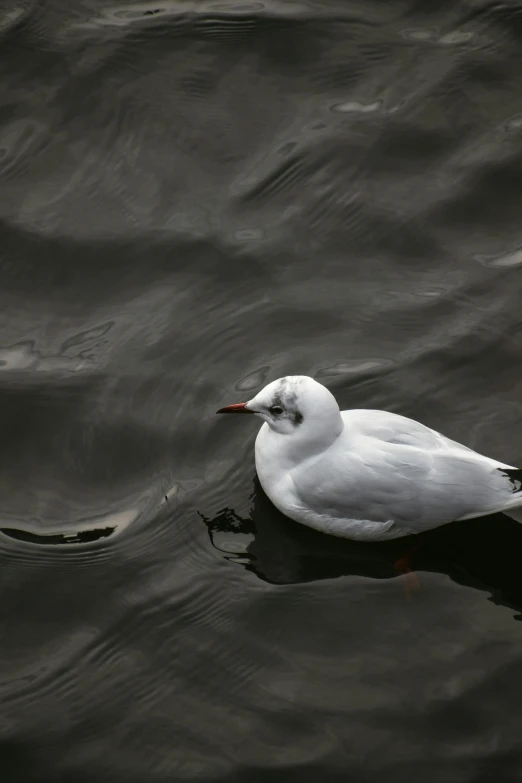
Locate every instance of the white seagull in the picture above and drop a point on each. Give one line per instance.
(367, 475)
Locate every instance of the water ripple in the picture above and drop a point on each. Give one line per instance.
(197, 198)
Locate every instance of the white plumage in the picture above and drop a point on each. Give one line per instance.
(367, 475)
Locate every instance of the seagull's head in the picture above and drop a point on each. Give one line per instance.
(291, 405)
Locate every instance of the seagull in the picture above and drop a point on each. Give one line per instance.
(367, 475)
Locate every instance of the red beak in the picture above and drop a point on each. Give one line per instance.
(239, 407)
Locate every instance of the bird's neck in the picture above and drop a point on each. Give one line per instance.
(310, 438)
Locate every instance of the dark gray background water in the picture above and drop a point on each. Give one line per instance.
(195, 199)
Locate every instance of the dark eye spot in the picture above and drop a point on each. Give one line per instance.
(276, 410)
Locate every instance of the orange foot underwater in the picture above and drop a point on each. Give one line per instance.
(410, 580)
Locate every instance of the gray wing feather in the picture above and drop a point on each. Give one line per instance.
(398, 469)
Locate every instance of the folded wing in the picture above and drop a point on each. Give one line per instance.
(389, 467)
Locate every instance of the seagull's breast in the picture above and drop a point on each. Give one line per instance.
(275, 465)
(270, 462)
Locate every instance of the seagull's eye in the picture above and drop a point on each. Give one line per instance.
(276, 410)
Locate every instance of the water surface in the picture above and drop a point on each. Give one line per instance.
(197, 198)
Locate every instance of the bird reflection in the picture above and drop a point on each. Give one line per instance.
(482, 553)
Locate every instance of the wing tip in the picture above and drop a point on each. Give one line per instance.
(515, 477)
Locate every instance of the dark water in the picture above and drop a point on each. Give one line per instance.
(197, 198)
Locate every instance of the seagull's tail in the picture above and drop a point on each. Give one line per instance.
(514, 506)
(515, 477)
